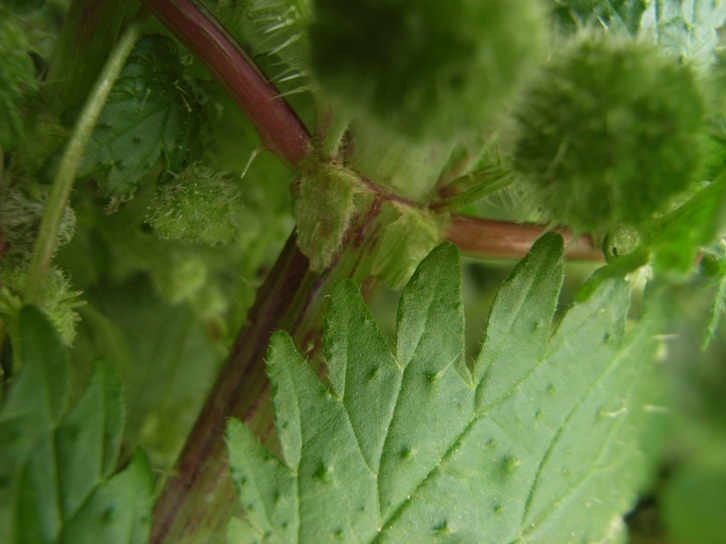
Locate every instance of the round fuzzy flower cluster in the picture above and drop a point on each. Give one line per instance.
(609, 134)
(198, 205)
(58, 299)
(429, 69)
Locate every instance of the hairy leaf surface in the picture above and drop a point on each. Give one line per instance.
(151, 111)
(686, 28)
(619, 16)
(539, 442)
(56, 463)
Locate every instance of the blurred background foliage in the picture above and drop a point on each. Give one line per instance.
(165, 311)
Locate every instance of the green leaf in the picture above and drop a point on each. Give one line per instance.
(676, 237)
(164, 355)
(150, 112)
(241, 532)
(686, 28)
(55, 464)
(119, 511)
(324, 209)
(89, 438)
(543, 441)
(714, 263)
(404, 243)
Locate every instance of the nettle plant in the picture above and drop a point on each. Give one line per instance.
(155, 156)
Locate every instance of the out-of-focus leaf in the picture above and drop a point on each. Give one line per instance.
(676, 237)
(17, 77)
(117, 512)
(23, 6)
(166, 359)
(150, 112)
(543, 442)
(693, 504)
(55, 464)
(686, 28)
(713, 266)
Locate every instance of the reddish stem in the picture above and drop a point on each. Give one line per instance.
(282, 131)
(505, 240)
(279, 127)
(200, 495)
(200, 498)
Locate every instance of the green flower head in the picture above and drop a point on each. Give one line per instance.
(611, 131)
(433, 69)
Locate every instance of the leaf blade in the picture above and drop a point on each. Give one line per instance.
(55, 464)
(356, 353)
(686, 28)
(462, 471)
(89, 438)
(118, 512)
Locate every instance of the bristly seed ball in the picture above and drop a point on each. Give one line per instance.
(610, 133)
(197, 205)
(430, 69)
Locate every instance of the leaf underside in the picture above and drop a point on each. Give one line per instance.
(686, 28)
(541, 441)
(56, 464)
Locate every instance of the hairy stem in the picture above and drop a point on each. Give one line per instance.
(197, 502)
(487, 238)
(63, 183)
(280, 129)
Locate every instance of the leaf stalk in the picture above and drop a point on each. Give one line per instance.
(65, 177)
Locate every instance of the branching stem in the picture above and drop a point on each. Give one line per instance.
(282, 131)
(63, 183)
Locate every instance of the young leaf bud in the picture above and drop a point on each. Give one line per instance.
(324, 209)
(198, 205)
(432, 69)
(609, 134)
(620, 241)
(58, 300)
(404, 244)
